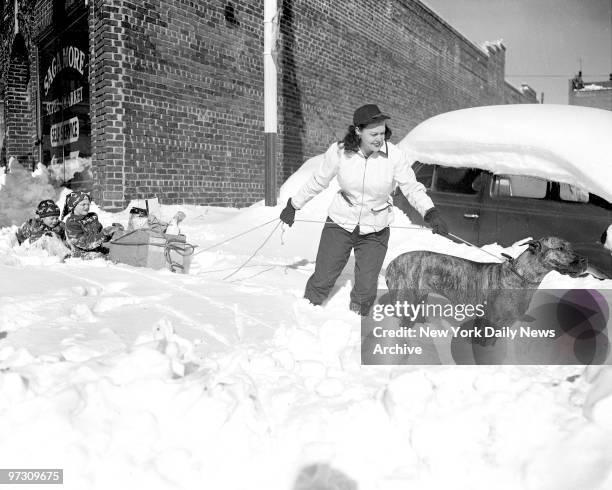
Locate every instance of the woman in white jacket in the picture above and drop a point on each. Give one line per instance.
(368, 168)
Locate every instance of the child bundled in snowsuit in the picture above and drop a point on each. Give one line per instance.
(47, 223)
(84, 233)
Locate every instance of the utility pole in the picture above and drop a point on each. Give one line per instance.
(270, 100)
(16, 14)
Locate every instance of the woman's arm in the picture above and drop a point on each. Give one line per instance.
(414, 191)
(320, 179)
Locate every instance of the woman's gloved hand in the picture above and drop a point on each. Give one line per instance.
(288, 214)
(435, 222)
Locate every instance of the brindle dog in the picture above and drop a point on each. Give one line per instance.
(506, 287)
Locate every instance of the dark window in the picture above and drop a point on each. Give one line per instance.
(600, 202)
(458, 180)
(424, 173)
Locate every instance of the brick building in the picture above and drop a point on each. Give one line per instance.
(166, 96)
(590, 94)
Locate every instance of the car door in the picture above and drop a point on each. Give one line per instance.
(518, 203)
(533, 207)
(456, 192)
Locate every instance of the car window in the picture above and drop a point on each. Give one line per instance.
(458, 180)
(424, 173)
(520, 186)
(599, 202)
(568, 192)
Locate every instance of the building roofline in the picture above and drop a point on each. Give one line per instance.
(484, 48)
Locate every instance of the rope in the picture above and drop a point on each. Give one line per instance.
(503, 258)
(411, 227)
(256, 251)
(472, 245)
(235, 236)
(124, 235)
(225, 269)
(186, 249)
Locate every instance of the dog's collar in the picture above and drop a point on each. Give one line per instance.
(512, 262)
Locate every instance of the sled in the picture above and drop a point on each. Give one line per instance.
(152, 249)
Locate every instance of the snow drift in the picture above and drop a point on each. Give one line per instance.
(22, 192)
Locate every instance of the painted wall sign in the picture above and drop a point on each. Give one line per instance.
(65, 132)
(56, 105)
(68, 57)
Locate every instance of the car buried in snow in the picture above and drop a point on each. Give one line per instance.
(505, 173)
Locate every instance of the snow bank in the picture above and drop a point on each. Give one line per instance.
(21, 194)
(569, 144)
(62, 172)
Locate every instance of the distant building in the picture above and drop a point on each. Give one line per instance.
(165, 97)
(590, 94)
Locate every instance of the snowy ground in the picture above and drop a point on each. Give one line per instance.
(134, 378)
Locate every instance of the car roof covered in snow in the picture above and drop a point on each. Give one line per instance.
(569, 144)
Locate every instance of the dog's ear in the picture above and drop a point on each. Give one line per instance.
(534, 246)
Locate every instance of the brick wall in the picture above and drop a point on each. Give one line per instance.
(18, 116)
(107, 102)
(17, 84)
(2, 133)
(177, 87)
(588, 97)
(514, 95)
(599, 99)
(176, 102)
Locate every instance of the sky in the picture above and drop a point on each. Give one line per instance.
(546, 40)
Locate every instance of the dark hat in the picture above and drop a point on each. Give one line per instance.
(368, 114)
(47, 208)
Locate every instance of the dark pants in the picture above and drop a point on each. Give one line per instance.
(334, 251)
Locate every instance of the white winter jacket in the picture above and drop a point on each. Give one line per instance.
(365, 187)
